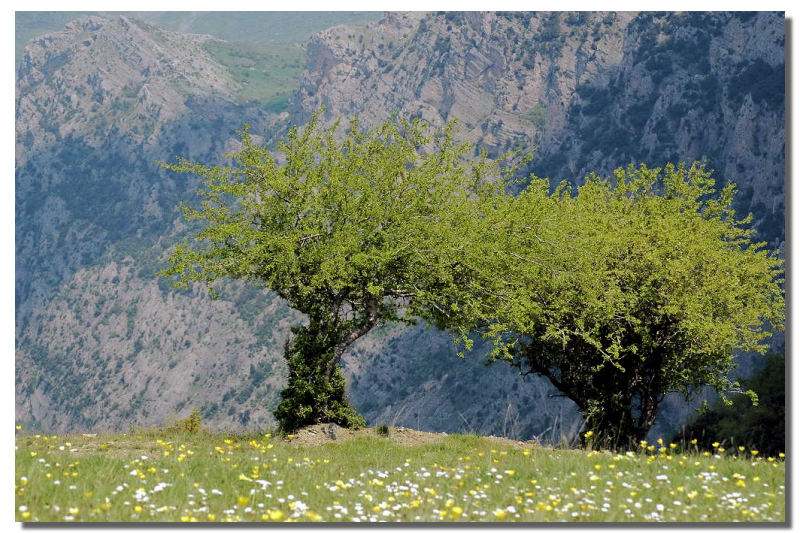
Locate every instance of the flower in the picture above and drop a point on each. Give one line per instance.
(588, 434)
(311, 515)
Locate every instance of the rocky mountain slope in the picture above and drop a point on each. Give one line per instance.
(587, 91)
(97, 105)
(102, 343)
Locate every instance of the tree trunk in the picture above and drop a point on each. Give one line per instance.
(316, 389)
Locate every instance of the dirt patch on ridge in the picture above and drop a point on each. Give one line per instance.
(324, 433)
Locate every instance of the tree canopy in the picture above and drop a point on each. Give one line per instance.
(620, 290)
(348, 229)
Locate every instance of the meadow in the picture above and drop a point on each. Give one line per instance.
(205, 477)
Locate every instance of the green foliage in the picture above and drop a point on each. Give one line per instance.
(538, 115)
(191, 424)
(760, 426)
(348, 232)
(312, 394)
(382, 430)
(636, 285)
(268, 75)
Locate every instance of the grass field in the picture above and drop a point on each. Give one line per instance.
(181, 477)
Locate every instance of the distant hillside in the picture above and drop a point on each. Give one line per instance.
(101, 342)
(248, 27)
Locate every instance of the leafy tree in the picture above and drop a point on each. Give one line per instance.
(344, 230)
(619, 292)
(761, 427)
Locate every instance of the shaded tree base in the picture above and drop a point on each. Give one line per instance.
(312, 396)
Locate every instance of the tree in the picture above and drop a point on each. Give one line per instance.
(760, 427)
(344, 231)
(619, 292)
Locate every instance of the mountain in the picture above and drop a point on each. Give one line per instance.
(586, 91)
(98, 104)
(102, 342)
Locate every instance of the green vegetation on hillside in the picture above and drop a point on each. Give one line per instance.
(197, 477)
(269, 74)
(761, 426)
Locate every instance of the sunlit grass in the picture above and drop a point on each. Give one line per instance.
(202, 477)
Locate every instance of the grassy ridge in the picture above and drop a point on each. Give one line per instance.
(203, 477)
(268, 74)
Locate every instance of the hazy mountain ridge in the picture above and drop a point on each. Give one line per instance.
(65, 77)
(101, 343)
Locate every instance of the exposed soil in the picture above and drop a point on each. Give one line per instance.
(324, 433)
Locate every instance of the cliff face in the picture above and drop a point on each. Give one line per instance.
(101, 342)
(587, 91)
(505, 77)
